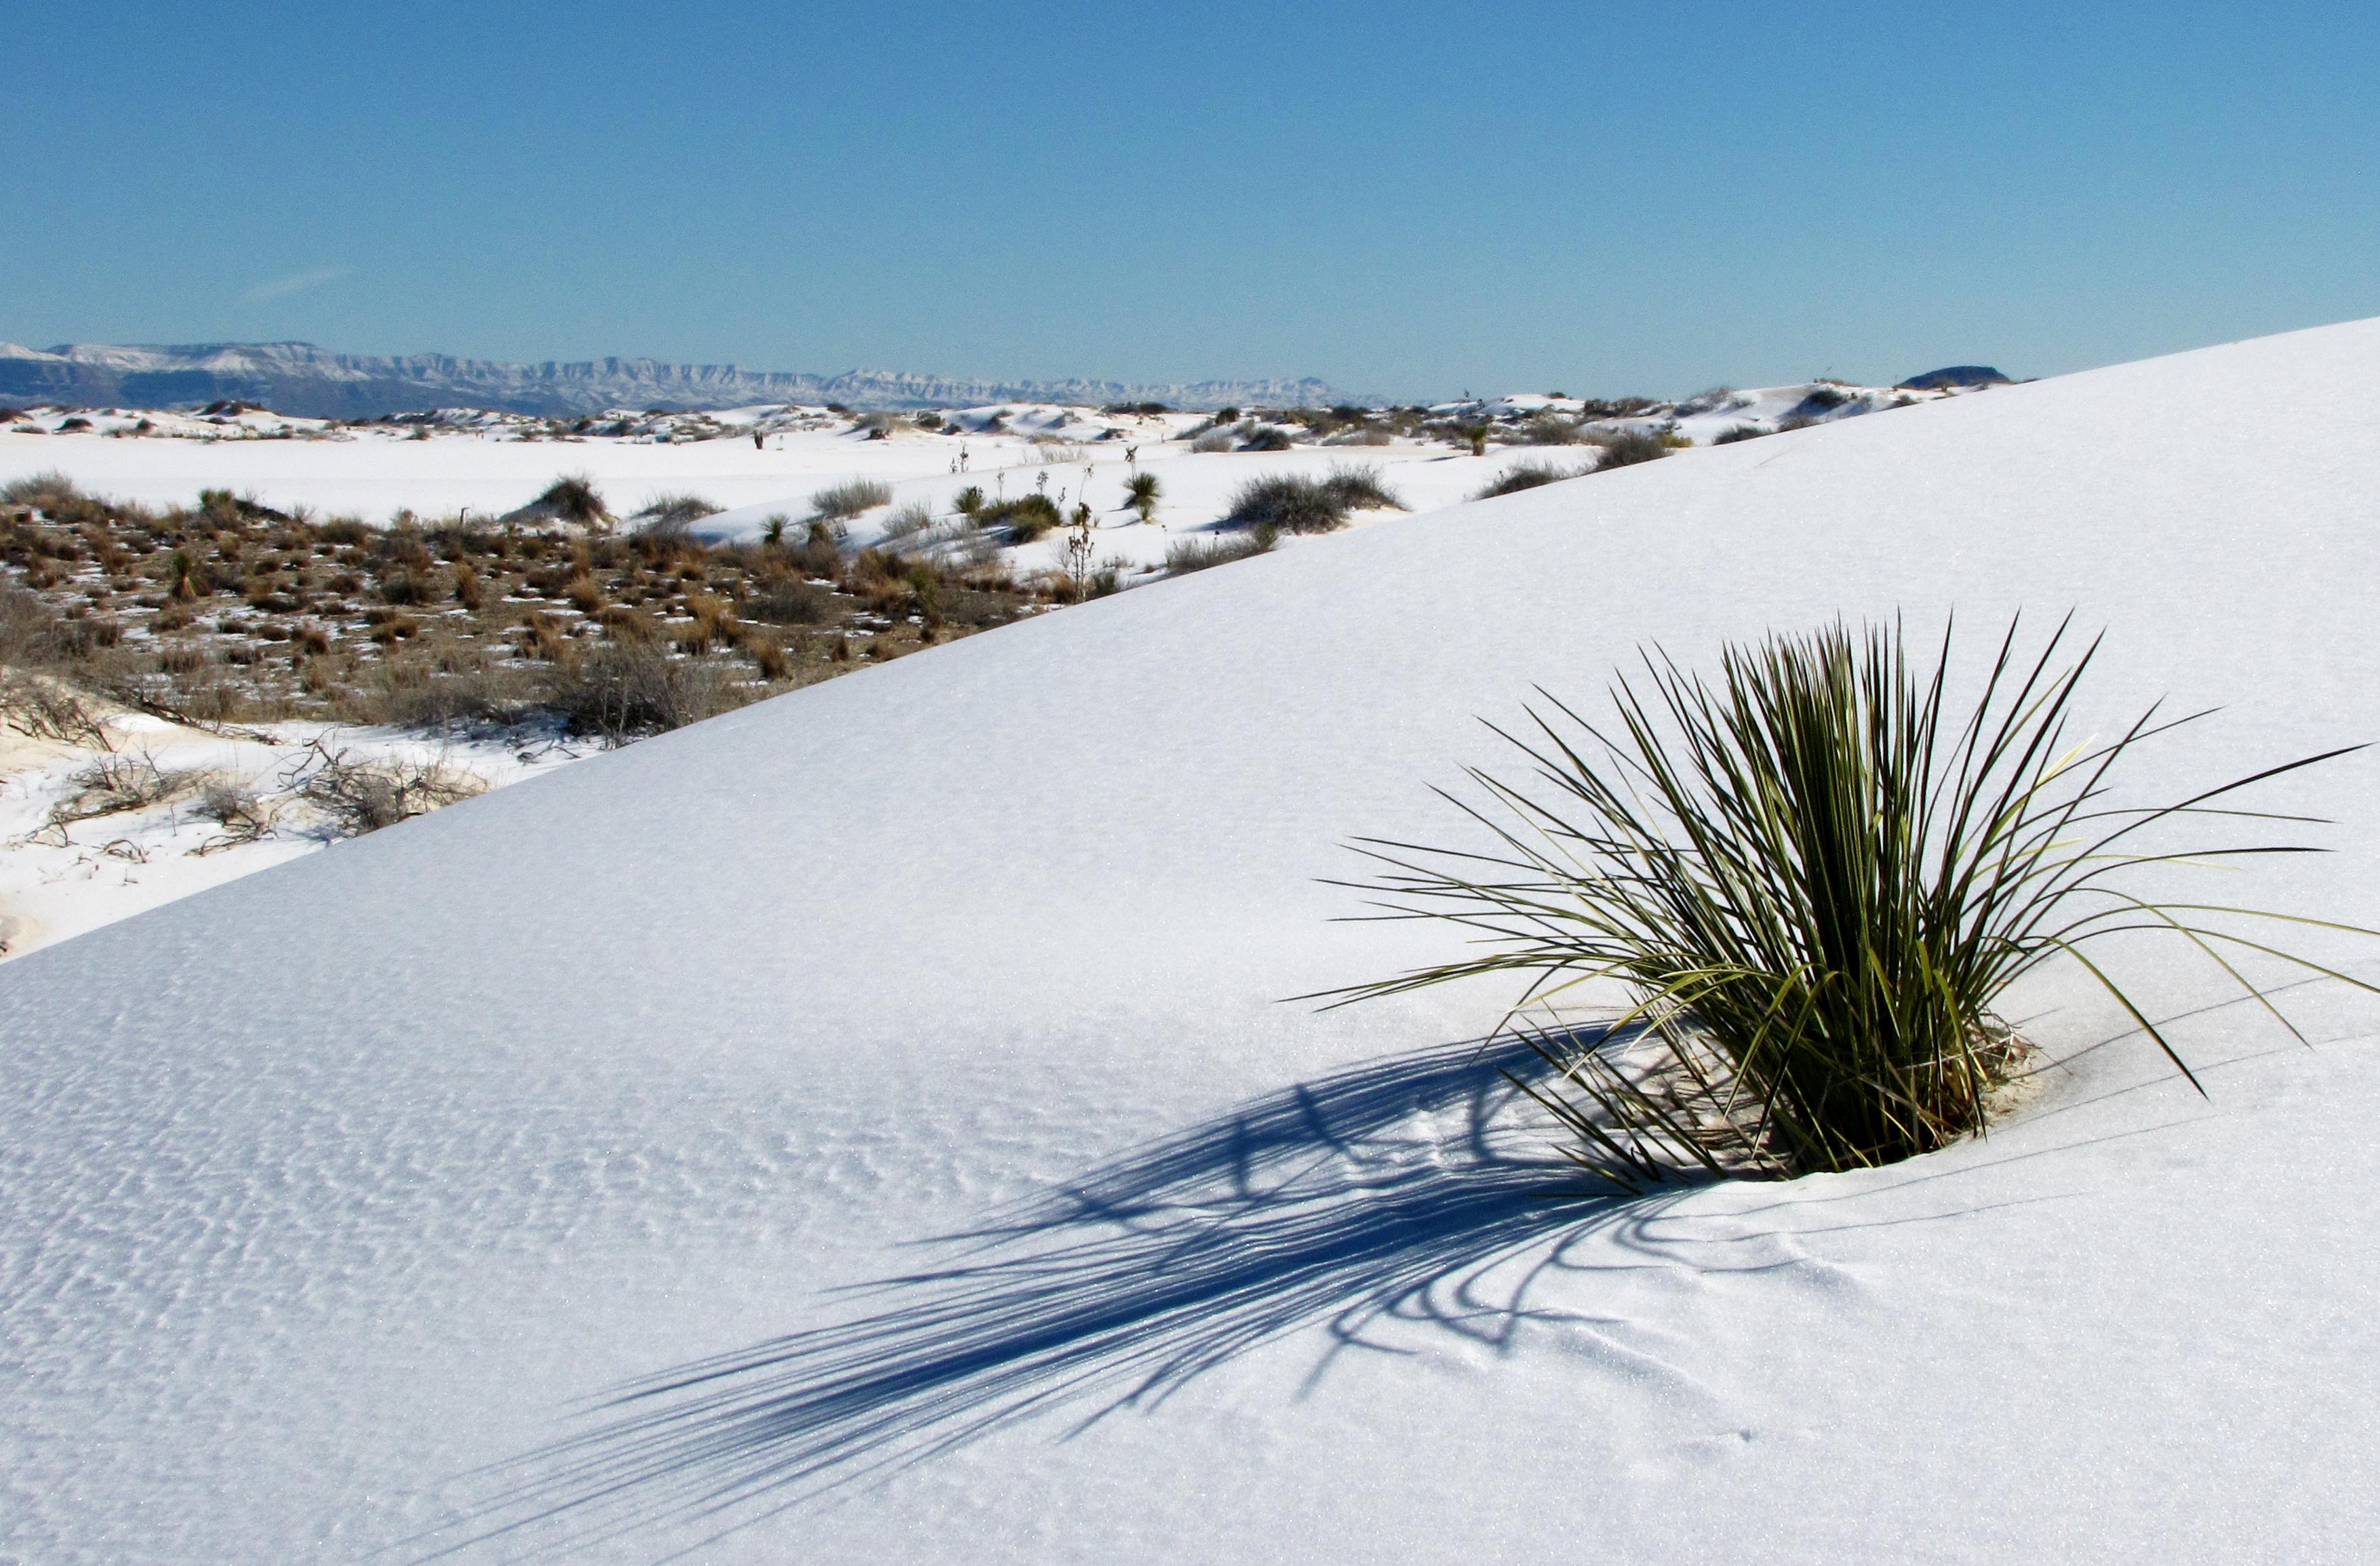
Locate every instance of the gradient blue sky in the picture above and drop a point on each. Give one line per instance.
(1411, 200)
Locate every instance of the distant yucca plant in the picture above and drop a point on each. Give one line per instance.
(1814, 879)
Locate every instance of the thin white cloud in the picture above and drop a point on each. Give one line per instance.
(296, 282)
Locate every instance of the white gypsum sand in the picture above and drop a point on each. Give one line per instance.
(332, 1186)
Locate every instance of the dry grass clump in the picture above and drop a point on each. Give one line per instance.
(1548, 429)
(573, 500)
(1527, 476)
(1291, 503)
(1815, 879)
(47, 491)
(1629, 448)
(1185, 556)
(839, 503)
(673, 512)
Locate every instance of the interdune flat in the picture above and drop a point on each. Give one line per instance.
(337, 1197)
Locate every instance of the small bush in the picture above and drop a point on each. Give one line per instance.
(1735, 433)
(839, 503)
(1549, 429)
(114, 784)
(364, 796)
(47, 489)
(575, 500)
(909, 521)
(625, 689)
(1185, 556)
(1266, 437)
(1026, 518)
(236, 809)
(1629, 448)
(1526, 476)
(668, 515)
(48, 709)
(793, 603)
(1294, 505)
(1213, 441)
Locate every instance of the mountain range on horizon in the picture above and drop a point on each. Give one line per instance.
(299, 378)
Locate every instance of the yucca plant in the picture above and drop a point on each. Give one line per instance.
(1814, 879)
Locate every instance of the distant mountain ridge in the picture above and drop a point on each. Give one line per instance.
(299, 378)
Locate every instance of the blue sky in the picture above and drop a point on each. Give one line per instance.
(1411, 200)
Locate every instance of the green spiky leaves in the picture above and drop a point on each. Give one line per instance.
(1813, 878)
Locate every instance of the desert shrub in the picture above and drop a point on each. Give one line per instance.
(1629, 448)
(1213, 441)
(793, 603)
(49, 709)
(236, 809)
(1549, 429)
(1266, 437)
(842, 502)
(1291, 503)
(46, 491)
(573, 499)
(969, 501)
(909, 521)
(673, 514)
(31, 633)
(359, 796)
(1361, 488)
(628, 688)
(1288, 503)
(1735, 433)
(1526, 476)
(1025, 518)
(113, 785)
(1815, 877)
(1185, 556)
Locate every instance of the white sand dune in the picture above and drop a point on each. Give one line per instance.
(330, 1187)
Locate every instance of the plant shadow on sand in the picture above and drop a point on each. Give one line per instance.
(1416, 1189)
